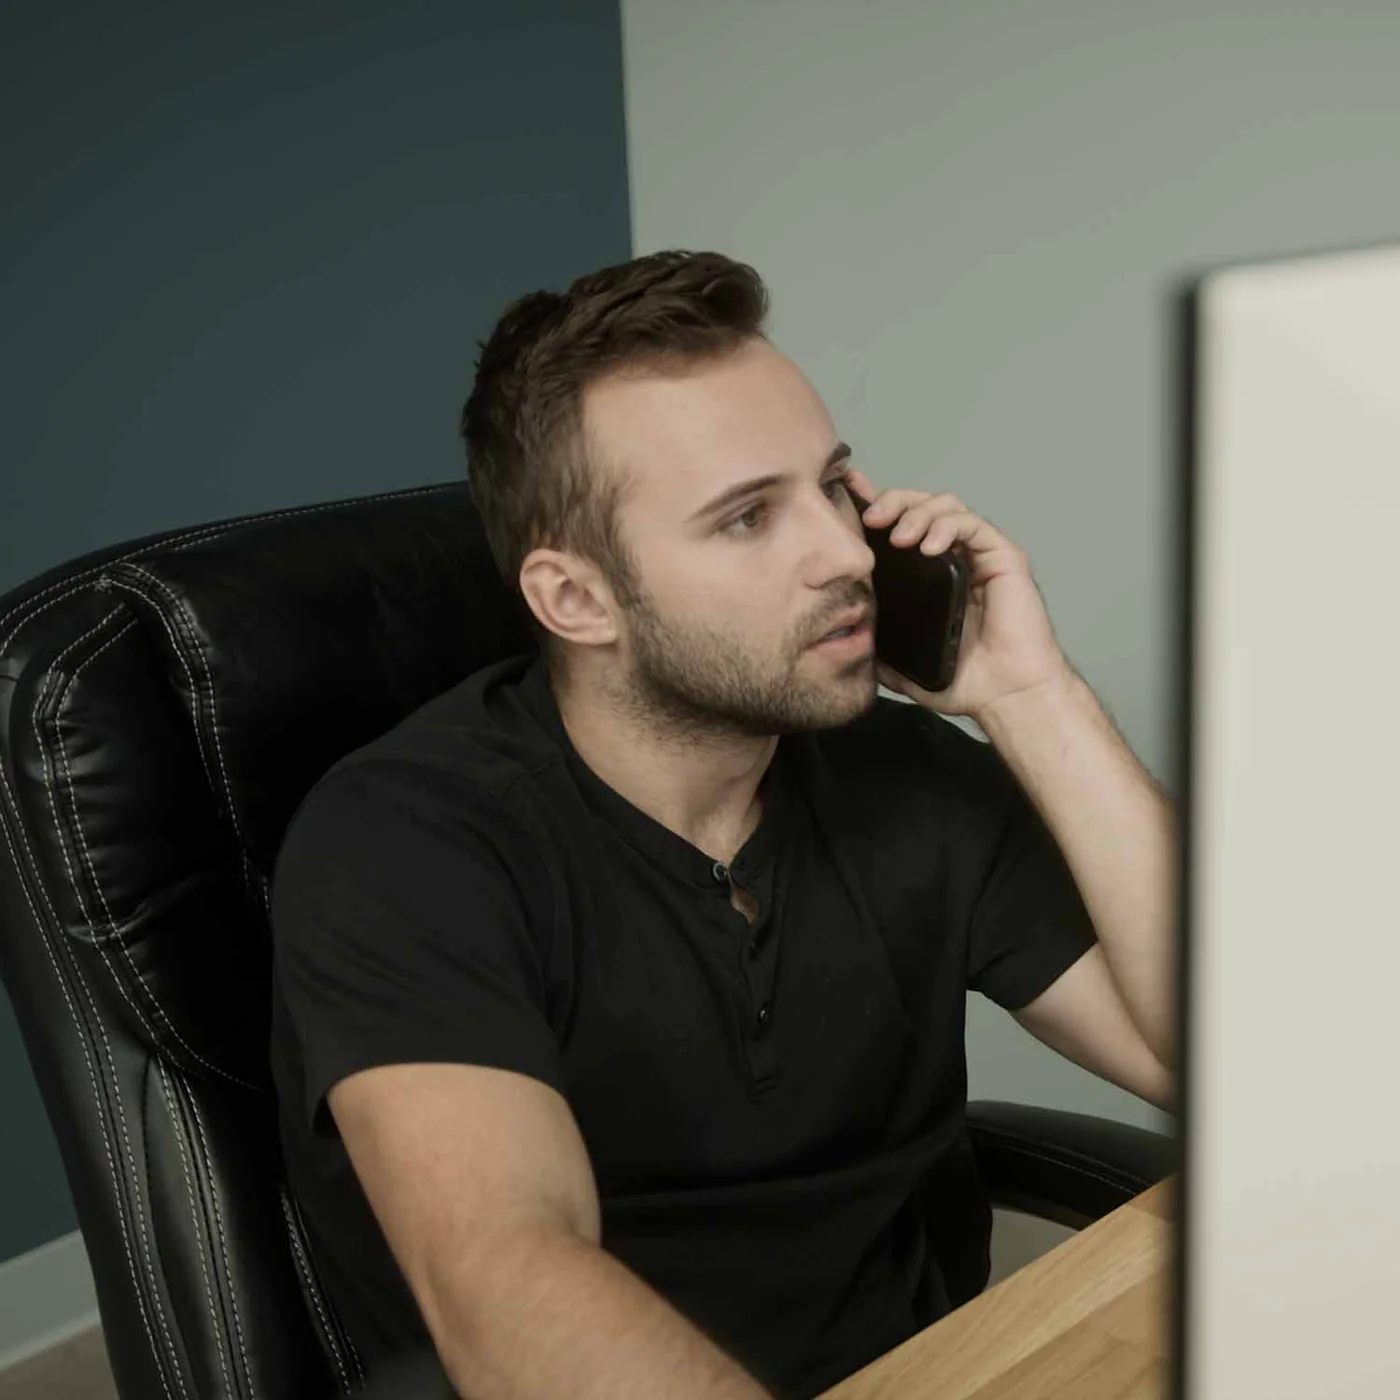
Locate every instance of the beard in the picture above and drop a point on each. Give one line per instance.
(697, 681)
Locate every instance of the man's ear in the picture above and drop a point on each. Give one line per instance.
(568, 596)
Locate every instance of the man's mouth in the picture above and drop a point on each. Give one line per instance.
(854, 639)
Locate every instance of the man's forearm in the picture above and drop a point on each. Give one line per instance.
(1117, 829)
(544, 1314)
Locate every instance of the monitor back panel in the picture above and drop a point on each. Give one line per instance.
(1292, 1222)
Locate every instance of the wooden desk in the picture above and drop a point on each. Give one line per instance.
(1087, 1321)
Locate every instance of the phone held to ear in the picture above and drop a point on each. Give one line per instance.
(920, 600)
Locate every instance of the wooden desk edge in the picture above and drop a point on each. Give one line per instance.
(971, 1339)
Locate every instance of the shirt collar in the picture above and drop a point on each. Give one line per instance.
(668, 849)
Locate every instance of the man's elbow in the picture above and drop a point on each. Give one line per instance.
(1161, 1091)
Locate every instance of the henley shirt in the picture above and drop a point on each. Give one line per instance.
(774, 1110)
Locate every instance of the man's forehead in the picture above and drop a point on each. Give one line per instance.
(680, 438)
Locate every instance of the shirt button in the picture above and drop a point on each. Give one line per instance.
(763, 1015)
(721, 873)
(753, 947)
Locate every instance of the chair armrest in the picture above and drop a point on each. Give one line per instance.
(1072, 1168)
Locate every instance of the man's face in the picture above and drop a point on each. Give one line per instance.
(735, 594)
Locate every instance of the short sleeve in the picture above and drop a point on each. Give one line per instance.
(1029, 923)
(400, 934)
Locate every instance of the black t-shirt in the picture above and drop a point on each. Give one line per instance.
(775, 1110)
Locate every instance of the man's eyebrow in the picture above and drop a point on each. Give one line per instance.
(730, 494)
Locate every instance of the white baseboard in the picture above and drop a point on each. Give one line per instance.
(46, 1296)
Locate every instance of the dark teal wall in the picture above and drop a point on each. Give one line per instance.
(246, 253)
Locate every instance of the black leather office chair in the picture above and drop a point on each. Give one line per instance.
(164, 706)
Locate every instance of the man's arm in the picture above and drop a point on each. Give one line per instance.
(1081, 1015)
(1117, 830)
(481, 1182)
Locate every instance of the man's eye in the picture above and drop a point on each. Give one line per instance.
(740, 519)
(729, 529)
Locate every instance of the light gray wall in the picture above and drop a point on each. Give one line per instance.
(970, 213)
(245, 257)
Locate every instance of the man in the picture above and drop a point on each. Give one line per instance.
(621, 988)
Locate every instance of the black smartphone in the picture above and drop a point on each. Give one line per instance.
(920, 602)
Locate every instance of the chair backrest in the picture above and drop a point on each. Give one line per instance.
(164, 707)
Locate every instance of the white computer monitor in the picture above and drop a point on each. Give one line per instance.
(1289, 1228)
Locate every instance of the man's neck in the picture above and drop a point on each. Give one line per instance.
(713, 799)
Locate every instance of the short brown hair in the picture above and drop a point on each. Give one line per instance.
(529, 466)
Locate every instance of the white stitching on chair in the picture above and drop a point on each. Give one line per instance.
(182, 607)
(100, 942)
(73, 583)
(354, 1352)
(97, 1098)
(333, 1320)
(116, 1095)
(265, 890)
(174, 1108)
(304, 1269)
(194, 1108)
(62, 589)
(223, 1243)
(330, 1307)
(126, 586)
(301, 1242)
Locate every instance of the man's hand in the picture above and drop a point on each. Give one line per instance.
(1008, 645)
